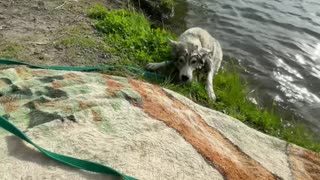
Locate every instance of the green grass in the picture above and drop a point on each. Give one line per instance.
(130, 36)
(80, 43)
(167, 4)
(10, 50)
(80, 37)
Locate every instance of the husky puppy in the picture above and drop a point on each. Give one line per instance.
(196, 50)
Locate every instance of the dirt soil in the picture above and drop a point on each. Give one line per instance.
(55, 32)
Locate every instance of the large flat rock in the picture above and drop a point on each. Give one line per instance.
(140, 129)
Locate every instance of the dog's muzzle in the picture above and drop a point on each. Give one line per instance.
(185, 78)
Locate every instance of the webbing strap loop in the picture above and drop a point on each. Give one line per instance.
(74, 162)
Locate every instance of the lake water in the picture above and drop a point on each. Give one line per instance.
(276, 43)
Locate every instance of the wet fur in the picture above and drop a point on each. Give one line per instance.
(195, 50)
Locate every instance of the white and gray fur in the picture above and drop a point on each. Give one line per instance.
(197, 50)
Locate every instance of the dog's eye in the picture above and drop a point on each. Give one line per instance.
(193, 60)
(181, 60)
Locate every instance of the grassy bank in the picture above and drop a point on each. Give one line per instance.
(129, 35)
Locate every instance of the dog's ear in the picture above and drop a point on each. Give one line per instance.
(173, 43)
(177, 47)
(205, 52)
(195, 47)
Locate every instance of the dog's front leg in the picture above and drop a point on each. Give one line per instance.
(209, 86)
(156, 66)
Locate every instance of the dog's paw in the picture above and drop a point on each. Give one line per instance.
(212, 96)
(152, 66)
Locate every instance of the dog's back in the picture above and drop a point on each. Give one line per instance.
(197, 36)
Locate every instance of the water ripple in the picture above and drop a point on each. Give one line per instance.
(276, 41)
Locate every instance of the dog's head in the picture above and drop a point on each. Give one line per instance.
(188, 57)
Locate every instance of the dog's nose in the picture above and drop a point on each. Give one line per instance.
(184, 78)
